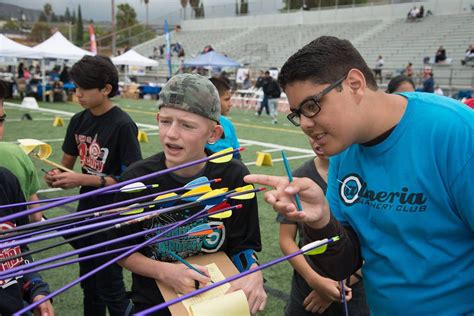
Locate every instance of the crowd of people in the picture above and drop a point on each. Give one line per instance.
(398, 222)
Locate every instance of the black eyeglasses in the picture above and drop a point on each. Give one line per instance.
(310, 107)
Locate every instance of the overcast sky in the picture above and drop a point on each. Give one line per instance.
(99, 10)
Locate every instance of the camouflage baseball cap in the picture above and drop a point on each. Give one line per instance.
(192, 93)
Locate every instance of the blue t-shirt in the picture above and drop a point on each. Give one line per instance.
(410, 199)
(229, 140)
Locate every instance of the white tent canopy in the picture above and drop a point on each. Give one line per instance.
(132, 58)
(10, 48)
(57, 46)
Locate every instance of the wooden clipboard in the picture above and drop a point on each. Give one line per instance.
(219, 258)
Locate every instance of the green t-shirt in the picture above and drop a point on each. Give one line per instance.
(14, 159)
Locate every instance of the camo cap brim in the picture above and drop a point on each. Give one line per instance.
(191, 93)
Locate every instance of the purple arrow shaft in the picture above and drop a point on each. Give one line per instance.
(94, 226)
(96, 255)
(101, 208)
(42, 231)
(111, 187)
(102, 244)
(230, 279)
(105, 265)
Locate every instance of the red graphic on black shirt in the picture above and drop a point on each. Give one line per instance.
(9, 252)
(91, 155)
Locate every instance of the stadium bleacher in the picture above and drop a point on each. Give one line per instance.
(397, 40)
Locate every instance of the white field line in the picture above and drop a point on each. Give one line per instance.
(148, 126)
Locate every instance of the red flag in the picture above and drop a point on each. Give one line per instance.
(92, 39)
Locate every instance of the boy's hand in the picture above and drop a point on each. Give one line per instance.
(315, 209)
(49, 176)
(43, 309)
(252, 285)
(67, 180)
(182, 279)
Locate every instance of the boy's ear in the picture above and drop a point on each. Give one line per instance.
(158, 116)
(107, 89)
(216, 134)
(356, 82)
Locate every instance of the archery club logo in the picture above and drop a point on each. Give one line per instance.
(349, 188)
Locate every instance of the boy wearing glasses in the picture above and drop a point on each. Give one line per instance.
(399, 188)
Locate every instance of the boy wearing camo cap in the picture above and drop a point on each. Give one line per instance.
(189, 111)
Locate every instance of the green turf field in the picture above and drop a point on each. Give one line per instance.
(256, 133)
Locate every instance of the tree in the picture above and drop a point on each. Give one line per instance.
(73, 17)
(79, 27)
(126, 16)
(197, 7)
(40, 32)
(67, 15)
(54, 18)
(11, 25)
(48, 11)
(243, 8)
(184, 4)
(146, 10)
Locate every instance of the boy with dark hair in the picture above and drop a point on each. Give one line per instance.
(399, 188)
(29, 287)
(104, 138)
(229, 138)
(188, 119)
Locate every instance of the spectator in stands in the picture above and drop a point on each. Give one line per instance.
(438, 90)
(409, 70)
(428, 83)
(229, 138)
(469, 55)
(378, 68)
(272, 91)
(412, 14)
(401, 83)
(440, 57)
(421, 12)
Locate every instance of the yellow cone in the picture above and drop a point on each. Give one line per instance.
(142, 137)
(263, 159)
(58, 121)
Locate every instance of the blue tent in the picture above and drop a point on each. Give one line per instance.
(211, 59)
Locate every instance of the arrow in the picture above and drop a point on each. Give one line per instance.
(215, 158)
(304, 250)
(190, 185)
(196, 231)
(101, 267)
(104, 244)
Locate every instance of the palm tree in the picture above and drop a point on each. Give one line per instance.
(146, 10)
(184, 4)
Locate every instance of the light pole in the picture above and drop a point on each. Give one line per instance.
(113, 28)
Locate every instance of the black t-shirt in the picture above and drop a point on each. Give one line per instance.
(14, 290)
(241, 231)
(105, 145)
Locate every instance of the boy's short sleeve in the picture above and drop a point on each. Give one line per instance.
(332, 195)
(69, 145)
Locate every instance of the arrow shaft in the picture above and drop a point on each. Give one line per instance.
(230, 279)
(111, 187)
